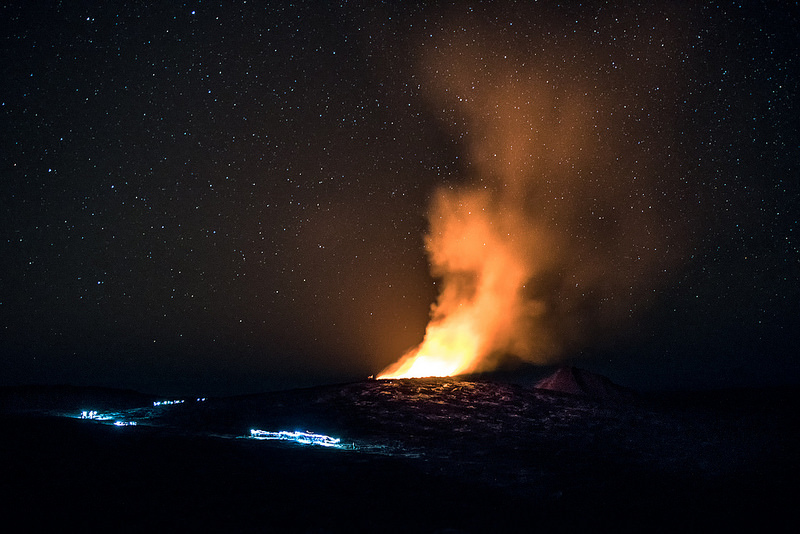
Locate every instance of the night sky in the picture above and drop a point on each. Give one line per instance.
(232, 198)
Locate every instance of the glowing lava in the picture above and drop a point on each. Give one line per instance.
(447, 350)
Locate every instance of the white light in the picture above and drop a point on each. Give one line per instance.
(305, 438)
(167, 402)
(94, 415)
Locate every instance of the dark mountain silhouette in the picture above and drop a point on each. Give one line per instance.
(575, 381)
(66, 397)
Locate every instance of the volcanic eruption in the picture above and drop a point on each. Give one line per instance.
(482, 255)
(557, 234)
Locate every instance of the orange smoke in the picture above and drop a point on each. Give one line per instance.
(483, 263)
(567, 230)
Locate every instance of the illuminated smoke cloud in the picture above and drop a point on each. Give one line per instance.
(570, 219)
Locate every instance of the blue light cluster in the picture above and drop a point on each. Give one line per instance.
(95, 415)
(305, 438)
(168, 402)
(136, 416)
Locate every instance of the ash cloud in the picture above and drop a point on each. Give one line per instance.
(572, 215)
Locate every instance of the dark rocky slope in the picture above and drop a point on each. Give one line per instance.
(423, 455)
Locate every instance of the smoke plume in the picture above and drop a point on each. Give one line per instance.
(569, 218)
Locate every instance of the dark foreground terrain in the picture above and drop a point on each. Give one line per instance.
(428, 455)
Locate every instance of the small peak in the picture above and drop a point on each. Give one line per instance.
(575, 381)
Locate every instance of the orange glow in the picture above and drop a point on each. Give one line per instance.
(449, 348)
(559, 239)
(483, 271)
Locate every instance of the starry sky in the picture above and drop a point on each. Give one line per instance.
(232, 197)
